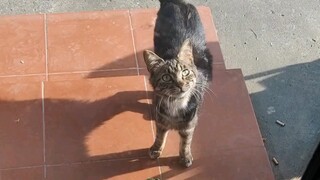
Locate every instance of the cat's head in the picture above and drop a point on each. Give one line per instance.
(172, 77)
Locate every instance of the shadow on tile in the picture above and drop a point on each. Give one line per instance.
(97, 73)
(129, 168)
(75, 130)
(78, 130)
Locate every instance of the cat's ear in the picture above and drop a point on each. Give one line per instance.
(185, 53)
(152, 60)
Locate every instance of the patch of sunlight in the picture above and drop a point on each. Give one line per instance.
(295, 178)
(191, 173)
(96, 141)
(110, 137)
(255, 84)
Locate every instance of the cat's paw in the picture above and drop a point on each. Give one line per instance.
(154, 154)
(186, 161)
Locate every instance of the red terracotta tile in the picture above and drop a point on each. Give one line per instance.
(22, 45)
(93, 74)
(29, 173)
(21, 125)
(247, 163)
(96, 119)
(226, 119)
(228, 115)
(143, 21)
(90, 41)
(140, 168)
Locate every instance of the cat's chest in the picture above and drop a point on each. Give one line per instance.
(175, 109)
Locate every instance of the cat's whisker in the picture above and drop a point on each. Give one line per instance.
(210, 93)
(206, 88)
(196, 94)
(211, 98)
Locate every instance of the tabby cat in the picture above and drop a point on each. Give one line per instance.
(179, 71)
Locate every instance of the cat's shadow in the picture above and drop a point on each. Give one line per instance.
(84, 118)
(169, 166)
(68, 123)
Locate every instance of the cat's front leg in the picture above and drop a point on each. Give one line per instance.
(185, 146)
(159, 143)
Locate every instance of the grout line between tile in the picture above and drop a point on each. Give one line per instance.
(43, 131)
(93, 71)
(133, 42)
(23, 167)
(151, 122)
(22, 75)
(46, 43)
(71, 72)
(95, 161)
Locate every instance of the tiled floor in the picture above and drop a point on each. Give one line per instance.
(75, 104)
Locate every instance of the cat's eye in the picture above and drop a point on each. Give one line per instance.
(166, 77)
(185, 72)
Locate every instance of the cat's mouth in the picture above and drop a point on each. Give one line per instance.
(175, 93)
(179, 94)
(171, 95)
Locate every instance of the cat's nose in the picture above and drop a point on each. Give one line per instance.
(182, 87)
